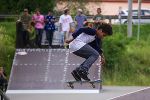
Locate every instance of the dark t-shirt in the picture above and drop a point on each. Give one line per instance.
(25, 19)
(2, 79)
(50, 25)
(98, 17)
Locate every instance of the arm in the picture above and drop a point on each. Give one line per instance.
(60, 22)
(70, 23)
(33, 18)
(54, 19)
(87, 30)
(94, 18)
(68, 41)
(60, 27)
(2, 74)
(77, 33)
(42, 19)
(85, 19)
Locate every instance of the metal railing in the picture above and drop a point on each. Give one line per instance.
(108, 17)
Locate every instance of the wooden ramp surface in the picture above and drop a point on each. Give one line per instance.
(48, 69)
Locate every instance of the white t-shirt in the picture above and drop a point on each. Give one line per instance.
(80, 41)
(65, 20)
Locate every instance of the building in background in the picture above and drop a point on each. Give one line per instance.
(109, 7)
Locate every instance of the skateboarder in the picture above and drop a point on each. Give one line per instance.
(86, 43)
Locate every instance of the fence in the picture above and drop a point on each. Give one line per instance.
(8, 17)
(110, 18)
(57, 35)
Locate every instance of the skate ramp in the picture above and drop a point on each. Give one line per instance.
(48, 69)
(41, 74)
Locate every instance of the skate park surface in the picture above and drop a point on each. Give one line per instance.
(107, 93)
(41, 74)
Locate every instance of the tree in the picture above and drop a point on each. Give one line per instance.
(16, 6)
(73, 5)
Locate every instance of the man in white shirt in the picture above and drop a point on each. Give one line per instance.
(65, 21)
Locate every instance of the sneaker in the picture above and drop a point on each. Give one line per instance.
(75, 75)
(83, 74)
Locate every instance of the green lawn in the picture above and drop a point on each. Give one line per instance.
(7, 44)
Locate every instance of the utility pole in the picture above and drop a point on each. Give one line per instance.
(130, 18)
(119, 17)
(139, 19)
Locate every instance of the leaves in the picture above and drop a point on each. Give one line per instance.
(17, 6)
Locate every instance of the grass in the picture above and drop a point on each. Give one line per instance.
(128, 59)
(7, 45)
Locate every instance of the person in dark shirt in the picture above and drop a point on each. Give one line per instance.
(98, 17)
(86, 43)
(49, 27)
(3, 78)
(25, 19)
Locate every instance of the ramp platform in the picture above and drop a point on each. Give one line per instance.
(47, 70)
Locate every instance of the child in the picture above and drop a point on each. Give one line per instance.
(32, 34)
(86, 43)
(3, 79)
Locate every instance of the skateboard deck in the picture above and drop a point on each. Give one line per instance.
(92, 83)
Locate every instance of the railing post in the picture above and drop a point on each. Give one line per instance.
(109, 19)
(19, 35)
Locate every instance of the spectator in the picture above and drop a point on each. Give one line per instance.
(65, 21)
(98, 17)
(19, 35)
(80, 18)
(38, 19)
(49, 27)
(3, 78)
(25, 19)
(32, 34)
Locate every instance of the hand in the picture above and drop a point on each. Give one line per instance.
(1, 72)
(68, 41)
(71, 30)
(102, 61)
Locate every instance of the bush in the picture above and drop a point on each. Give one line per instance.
(17, 6)
(114, 49)
(127, 60)
(7, 45)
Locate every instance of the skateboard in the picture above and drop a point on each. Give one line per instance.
(92, 83)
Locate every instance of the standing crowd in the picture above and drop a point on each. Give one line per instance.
(34, 26)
